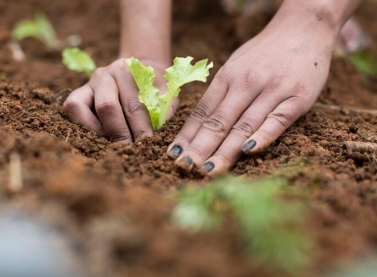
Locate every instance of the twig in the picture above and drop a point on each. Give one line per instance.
(15, 175)
(361, 151)
(346, 109)
(360, 147)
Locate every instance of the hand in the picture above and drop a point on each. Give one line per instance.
(109, 105)
(261, 90)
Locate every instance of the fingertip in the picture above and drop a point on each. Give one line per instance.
(186, 163)
(174, 151)
(215, 167)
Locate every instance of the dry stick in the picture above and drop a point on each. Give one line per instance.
(360, 147)
(15, 175)
(361, 151)
(339, 108)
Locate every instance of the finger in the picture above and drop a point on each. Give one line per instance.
(275, 124)
(229, 151)
(108, 108)
(215, 129)
(136, 113)
(78, 108)
(210, 100)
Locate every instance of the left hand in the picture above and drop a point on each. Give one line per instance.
(265, 86)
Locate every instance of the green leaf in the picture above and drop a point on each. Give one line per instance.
(148, 95)
(77, 60)
(39, 28)
(182, 72)
(266, 221)
(364, 62)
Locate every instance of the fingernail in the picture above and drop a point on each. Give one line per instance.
(185, 163)
(208, 166)
(175, 151)
(187, 160)
(248, 146)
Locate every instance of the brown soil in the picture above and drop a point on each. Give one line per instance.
(115, 201)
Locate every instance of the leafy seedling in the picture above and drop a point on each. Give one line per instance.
(40, 28)
(364, 62)
(182, 72)
(267, 222)
(78, 60)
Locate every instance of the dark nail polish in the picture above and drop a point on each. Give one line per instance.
(209, 166)
(187, 160)
(176, 150)
(248, 146)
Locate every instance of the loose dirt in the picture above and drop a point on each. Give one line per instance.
(115, 201)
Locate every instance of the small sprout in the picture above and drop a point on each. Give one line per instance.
(266, 221)
(79, 61)
(364, 62)
(40, 28)
(182, 72)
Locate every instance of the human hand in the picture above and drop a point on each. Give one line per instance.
(261, 90)
(109, 104)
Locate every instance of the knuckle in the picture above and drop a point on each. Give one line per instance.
(132, 107)
(99, 72)
(196, 149)
(249, 80)
(225, 72)
(106, 107)
(216, 124)
(243, 129)
(284, 118)
(118, 65)
(70, 104)
(200, 113)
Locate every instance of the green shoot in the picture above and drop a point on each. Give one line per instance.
(182, 72)
(364, 62)
(79, 61)
(266, 221)
(40, 28)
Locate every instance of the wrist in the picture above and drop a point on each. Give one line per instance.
(329, 15)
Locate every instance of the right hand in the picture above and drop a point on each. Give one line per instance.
(109, 104)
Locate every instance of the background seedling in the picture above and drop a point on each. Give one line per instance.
(364, 62)
(78, 60)
(266, 221)
(40, 28)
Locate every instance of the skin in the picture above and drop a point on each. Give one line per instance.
(267, 84)
(111, 91)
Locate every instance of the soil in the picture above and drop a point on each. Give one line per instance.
(115, 201)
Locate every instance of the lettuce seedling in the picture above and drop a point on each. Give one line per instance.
(266, 221)
(40, 28)
(79, 61)
(182, 72)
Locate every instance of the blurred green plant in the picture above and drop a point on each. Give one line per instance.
(240, 4)
(77, 60)
(267, 222)
(364, 62)
(40, 28)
